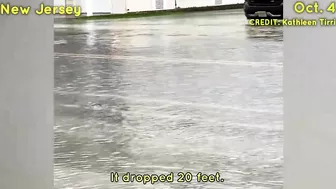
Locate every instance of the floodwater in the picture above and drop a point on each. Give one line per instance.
(200, 92)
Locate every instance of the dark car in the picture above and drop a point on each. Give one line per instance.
(263, 9)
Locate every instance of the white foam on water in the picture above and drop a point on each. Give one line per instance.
(60, 42)
(168, 116)
(174, 102)
(173, 60)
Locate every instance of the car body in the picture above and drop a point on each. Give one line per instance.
(255, 9)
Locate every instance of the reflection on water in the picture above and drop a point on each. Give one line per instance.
(205, 101)
(265, 32)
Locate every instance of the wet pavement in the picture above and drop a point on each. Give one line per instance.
(199, 92)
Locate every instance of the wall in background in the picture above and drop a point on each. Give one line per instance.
(122, 6)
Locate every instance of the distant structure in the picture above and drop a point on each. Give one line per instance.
(94, 7)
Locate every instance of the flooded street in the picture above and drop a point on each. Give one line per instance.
(199, 92)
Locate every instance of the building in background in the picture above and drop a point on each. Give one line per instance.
(90, 7)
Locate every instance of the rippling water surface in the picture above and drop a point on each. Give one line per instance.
(199, 93)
